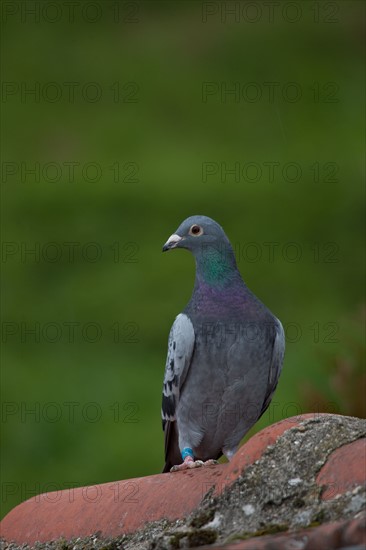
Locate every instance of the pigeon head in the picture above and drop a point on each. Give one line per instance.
(207, 241)
(196, 233)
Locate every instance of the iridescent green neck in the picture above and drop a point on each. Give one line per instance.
(216, 267)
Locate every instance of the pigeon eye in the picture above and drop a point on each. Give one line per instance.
(196, 230)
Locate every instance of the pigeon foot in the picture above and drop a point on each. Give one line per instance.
(189, 463)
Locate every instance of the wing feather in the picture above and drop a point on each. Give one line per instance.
(276, 363)
(180, 349)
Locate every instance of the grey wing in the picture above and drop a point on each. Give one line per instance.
(180, 350)
(276, 364)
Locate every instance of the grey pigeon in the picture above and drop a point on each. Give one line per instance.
(225, 354)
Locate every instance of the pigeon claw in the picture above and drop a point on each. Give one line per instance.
(210, 462)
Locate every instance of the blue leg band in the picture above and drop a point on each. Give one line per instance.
(187, 451)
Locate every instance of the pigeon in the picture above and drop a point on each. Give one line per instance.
(225, 355)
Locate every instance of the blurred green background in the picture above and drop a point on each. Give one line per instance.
(81, 395)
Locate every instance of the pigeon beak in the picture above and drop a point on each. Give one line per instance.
(172, 242)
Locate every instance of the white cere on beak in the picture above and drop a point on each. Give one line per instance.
(172, 241)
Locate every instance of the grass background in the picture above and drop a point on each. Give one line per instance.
(96, 405)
